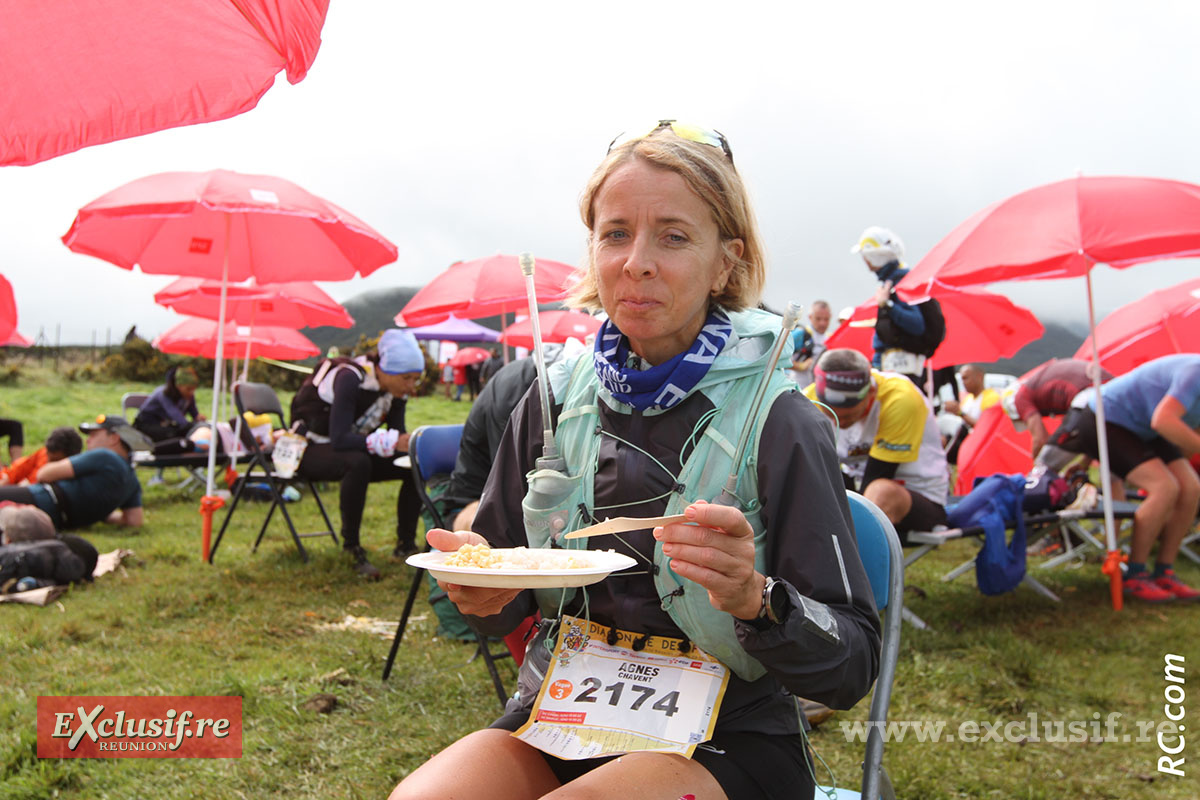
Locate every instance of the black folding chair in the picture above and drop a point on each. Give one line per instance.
(433, 450)
(259, 398)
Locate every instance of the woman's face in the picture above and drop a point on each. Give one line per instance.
(404, 384)
(187, 390)
(657, 254)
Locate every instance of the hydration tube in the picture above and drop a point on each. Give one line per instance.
(790, 319)
(550, 458)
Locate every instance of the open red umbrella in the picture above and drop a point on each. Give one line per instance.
(1162, 323)
(295, 304)
(469, 355)
(483, 288)
(17, 339)
(557, 326)
(198, 337)
(93, 71)
(980, 327)
(1060, 230)
(228, 226)
(8, 309)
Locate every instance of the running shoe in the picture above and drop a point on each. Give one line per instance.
(1146, 589)
(1172, 585)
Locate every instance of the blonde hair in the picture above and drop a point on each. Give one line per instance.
(710, 174)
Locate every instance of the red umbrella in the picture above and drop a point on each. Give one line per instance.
(1160, 324)
(16, 339)
(8, 310)
(483, 288)
(557, 326)
(980, 327)
(1063, 229)
(198, 337)
(469, 355)
(229, 226)
(296, 304)
(93, 71)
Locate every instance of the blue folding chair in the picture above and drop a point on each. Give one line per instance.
(881, 554)
(433, 450)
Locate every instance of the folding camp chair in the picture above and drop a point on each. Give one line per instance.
(134, 401)
(879, 549)
(433, 450)
(258, 398)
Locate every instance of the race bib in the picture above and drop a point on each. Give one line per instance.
(902, 361)
(604, 700)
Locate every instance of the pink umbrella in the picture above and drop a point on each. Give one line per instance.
(1160, 324)
(1060, 230)
(557, 326)
(8, 309)
(469, 355)
(198, 337)
(483, 288)
(93, 71)
(296, 304)
(228, 226)
(980, 327)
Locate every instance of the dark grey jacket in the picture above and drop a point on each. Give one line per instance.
(804, 509)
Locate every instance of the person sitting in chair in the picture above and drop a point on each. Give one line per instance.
(170, 410)
(353, 412)
(887, 440)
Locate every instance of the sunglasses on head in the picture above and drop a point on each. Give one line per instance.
(693, 133)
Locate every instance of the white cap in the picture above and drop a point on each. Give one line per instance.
(879, 246)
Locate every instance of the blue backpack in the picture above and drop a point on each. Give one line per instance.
(994, 504)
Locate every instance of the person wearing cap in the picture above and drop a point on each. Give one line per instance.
(1047, 391)
(899, 325)
(1152, 421)
(888, 441)
(353, 415)
(96, 485)
(170, 410)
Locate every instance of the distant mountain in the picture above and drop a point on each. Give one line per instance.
(373, 312)
(1060, 340)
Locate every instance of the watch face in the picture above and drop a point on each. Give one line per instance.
(777, 602)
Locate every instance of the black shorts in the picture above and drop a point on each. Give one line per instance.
(749, 766)
(924, 515)
(1126, 450)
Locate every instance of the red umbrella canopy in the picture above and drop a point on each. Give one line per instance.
(1059, 230)
(469, 355)
(557, 326)
(296, 304)
(485, 287)
(198, 337)
(8, 310)
(93, 71)
(191, 223)
(17, 339)
(1162, 323)
(980, 326)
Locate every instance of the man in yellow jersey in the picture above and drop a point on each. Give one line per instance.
(969, 408)
(888, 442)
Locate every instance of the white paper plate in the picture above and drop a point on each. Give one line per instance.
(603, 563)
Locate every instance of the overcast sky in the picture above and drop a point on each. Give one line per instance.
(459, 130)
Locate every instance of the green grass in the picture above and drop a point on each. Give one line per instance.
(172, 625)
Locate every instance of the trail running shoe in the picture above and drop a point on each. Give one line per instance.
(361, 565)
(1146, 589)
(1180, 591)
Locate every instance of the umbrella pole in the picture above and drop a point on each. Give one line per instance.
(503, 325)
(1112, 562)
(210, 503)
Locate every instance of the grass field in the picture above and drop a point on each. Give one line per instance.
(169, 624)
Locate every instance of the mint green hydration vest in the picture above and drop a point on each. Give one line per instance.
(730, 385)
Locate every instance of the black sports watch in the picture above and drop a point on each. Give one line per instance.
(776, 603)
